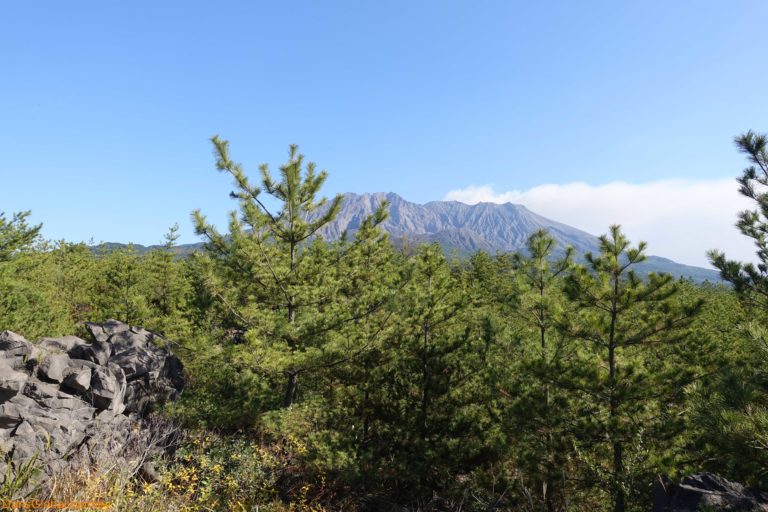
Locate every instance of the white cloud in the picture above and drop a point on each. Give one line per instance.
(679, 219)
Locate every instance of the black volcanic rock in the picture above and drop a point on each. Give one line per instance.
(707, 491)
(69, 406)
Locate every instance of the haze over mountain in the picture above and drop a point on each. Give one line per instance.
(464, 228)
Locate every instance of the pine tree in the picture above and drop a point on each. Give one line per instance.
(123, 291)
(16, 234)
(272, 272)
(77, 281)
(751, 281)
(732, 416)
(426, 422)
(542, 406)
(29, 301)
(167, 286)
(632, 327)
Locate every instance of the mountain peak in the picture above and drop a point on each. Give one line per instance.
(468, 228)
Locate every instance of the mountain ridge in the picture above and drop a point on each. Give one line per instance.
(494, 227)
(466, 229)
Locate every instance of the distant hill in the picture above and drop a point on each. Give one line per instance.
(466, 229)
(181, 250)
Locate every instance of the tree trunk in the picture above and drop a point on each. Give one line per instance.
(425, 385)
(618, 459)
(292, 385)
(548, 485)
(618, 467)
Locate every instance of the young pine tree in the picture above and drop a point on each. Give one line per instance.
(732, 416)
(427, 425)
(16, 234)
(632, 327)
(274, 277)
(749, 280)
(30, 303)
(167, 287)
(542, 407)
(77, 280)
(122, 293)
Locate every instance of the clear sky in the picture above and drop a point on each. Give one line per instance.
(106, 107)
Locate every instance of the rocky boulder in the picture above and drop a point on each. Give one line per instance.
(707, 492)
(53, 366)
(64, 344)
(12, 344)
(62, 397)
(11, 381)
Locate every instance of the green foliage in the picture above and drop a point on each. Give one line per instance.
(16, 235)
(290, 294)
(219, 394)
(636, 333)
(20, 480)
(541, 412)
(122, 296)
(730, 414)
(49, 289)
(168, 289)
(750, 280)
(422, 419)
(326, 374)
(223, 473)
(28, 301)
(76, 279)
(31, 303)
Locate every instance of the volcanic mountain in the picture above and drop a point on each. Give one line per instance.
(488, 227)
(466, 229)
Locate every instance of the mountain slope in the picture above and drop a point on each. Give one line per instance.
(485, 226)
(503, 227)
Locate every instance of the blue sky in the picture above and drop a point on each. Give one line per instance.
(107, 107)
